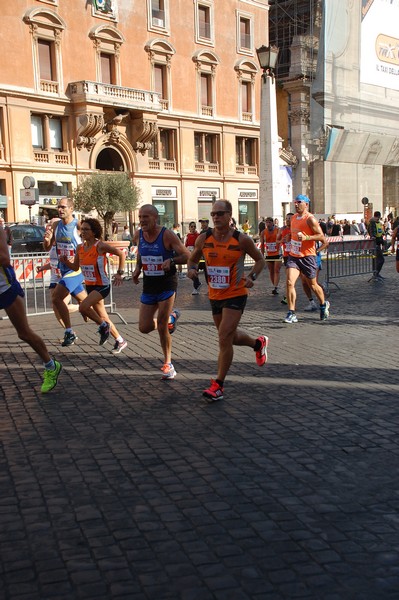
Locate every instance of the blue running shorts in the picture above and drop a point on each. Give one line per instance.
(155, 298)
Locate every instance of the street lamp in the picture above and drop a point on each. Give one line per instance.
(269, 163)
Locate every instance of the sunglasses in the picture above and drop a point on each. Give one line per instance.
(219, 213)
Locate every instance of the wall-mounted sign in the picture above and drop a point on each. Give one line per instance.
(164, 192)
(248, 194)
(29, 197)
(208, 193)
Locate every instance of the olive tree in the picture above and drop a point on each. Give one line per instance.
(107, 193)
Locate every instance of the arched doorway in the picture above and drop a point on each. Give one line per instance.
(109, 159)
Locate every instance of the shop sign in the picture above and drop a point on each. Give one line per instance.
(29, 197)
(169, 193)
(248, 194)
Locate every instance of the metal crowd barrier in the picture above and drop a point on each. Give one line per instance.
(36, 285)
(347, 258)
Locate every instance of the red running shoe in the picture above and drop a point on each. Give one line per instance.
(214, 392)
(261, 355)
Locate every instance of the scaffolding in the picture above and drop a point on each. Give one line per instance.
(289, 19)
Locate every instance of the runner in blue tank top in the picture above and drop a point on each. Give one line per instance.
(159, 250)
(66, 236)
(11, 300)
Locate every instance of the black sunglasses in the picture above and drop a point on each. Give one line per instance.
(219, 213)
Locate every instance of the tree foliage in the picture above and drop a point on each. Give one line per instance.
(107, 193)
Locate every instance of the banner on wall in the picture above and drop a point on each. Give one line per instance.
(379, 42)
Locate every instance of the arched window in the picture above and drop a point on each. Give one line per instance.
(107, 41)
(160, 54)
(246, 73)
(46, 28)
(206, 63)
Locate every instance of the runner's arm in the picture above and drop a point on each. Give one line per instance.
(72, 264)
(172, 242)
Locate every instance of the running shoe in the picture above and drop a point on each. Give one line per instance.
(261, 354)
(214, 392)
(311, 307)
(284, 300)
(174, 315)
(291, 317)
(50, 377)
(325, 311)
(275, 292)
(168, 371)
(195, 292)
(119, 346)
(69, 338)
(104, 330)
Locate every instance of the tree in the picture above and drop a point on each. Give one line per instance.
(107, 193)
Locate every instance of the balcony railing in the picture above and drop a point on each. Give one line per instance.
(202, 167)
(247, 116)
(207, 111)
(51, 156)
(161, 165)
(104, 93)
(49, 87)
(246, 170)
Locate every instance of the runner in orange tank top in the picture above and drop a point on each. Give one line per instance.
(90, 257)
(224, 249)
(305, 231)
(269, 241)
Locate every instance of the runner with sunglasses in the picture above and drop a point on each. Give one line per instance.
(65, 234)
(224, 250)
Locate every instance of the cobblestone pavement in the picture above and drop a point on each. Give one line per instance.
(120, 486)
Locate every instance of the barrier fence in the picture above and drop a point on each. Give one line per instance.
(344, 257)
(36, 285)
(347, 258)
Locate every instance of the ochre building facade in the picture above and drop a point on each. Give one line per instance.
(166, 90)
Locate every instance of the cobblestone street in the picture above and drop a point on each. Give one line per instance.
(121, 486)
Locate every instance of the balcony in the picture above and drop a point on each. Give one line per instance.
(94, 92)
(202, 167)
(51, 156)
(207, 111)
(161, 165)
(49, 87)
(246, 170)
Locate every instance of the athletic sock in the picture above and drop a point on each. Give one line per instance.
(119, 339)
(219, 382)
(50, 366)
(258, 345)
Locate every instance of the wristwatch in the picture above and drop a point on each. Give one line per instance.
(253, 276)
(120, 272)
(172, 262)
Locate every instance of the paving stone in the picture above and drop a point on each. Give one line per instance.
(117, 486)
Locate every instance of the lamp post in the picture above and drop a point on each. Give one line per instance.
(269, 161)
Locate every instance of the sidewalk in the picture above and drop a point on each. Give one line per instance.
(121, 486)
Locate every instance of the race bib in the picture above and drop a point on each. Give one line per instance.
(88, 272)
(296, 247)
(65, 249)
(152, 265)
(271, 247)
(55, 272)
(218, 277)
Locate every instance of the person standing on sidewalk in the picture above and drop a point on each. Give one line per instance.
(11, 301)
(159, 251)
(91, 258)
(376, 232)
(65, 235)
(224, 250)
(305, 231)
